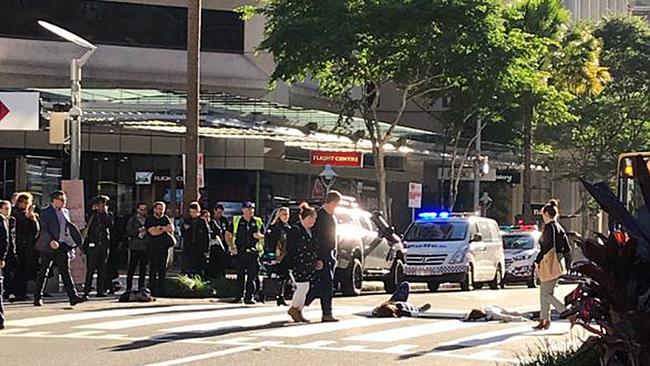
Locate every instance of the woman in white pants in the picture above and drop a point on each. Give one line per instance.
(302, 259)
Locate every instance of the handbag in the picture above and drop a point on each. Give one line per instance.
(550, 268)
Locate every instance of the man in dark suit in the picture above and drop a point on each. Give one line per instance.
(57, 239)
(5, 245)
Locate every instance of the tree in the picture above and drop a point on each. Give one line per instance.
(357, 48)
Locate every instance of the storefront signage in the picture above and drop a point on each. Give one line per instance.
(143, 178)
(415, 195)
(200, 176)
(466, 174)
(337, 158)
(509, 176)
(19, 111)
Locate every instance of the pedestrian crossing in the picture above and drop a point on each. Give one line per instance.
(243, 326)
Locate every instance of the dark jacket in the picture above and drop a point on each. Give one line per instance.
(275, 239)
(50, 228)
(26, 228)
(196, 238)
(100, 225)
(302, 253)
(325, 234)
(133, 226)
(7, 247)
(553, 235)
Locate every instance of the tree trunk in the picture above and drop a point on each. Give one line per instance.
(528, 142)
(380, 170)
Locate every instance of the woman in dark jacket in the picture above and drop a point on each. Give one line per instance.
(276, 243)
(27, 228)
(303, 258)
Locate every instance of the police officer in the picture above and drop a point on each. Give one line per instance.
(196, 240)
(246, 243)
(97, 246)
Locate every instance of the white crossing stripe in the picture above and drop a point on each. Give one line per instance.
(89, 315)
(173, 318)
(399, 334)
(251, 322)
(316, 344)
(320, 328)
(401, 348)
(205, 356)
(487, 338)
(488, 353)
(12, 331)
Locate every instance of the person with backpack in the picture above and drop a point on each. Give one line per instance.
(554, 243)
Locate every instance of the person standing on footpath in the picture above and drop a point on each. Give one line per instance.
(276, 243)
(27, 229)
(5, 244)
(218, 256)
(161, 237)
(196, 241)
(322, 284)
(97, 246)
(245, 242)
(302, 256)
(549, 265)
(138, 245)
(57, 238)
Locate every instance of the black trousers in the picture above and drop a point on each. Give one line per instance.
(322, 286)
(25, 268)
(60, 257)
(195, 262)
(157, 269)
(97, 262)
(9, 273)
(2, 309)
(248, 267)
(137, 258)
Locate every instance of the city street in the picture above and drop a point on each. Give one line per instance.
(207, 332)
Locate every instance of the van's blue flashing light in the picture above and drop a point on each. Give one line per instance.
(433, 215)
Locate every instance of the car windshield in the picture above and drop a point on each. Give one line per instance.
(518, 242)
(437, 231)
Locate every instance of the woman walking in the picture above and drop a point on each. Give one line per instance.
(303, 258)
(27, 228)
(276, 242)
(549, 263)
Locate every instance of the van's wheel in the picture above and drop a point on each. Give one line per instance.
(352, 279)
(532, 281)
(433, 286)
(497, 281)
(395, 277)
(468, 283)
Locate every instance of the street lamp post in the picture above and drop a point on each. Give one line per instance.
(477, 165)
(191, 190)
(75, 93)
(328, 177)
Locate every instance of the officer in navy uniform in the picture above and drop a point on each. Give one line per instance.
(245, 240)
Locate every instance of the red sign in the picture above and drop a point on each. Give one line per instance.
(3, 110)
(337, 158)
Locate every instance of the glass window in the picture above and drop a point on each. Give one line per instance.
(437, 231)
(122, 24)
(518, 242)
(494, 232)
(484, 229)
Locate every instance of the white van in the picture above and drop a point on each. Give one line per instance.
(461, 248)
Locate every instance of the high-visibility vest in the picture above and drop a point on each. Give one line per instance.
(260, 225)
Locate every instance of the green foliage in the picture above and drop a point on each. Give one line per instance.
(185, 286)
(570, 356)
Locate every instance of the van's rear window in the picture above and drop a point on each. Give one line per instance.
(437, 231)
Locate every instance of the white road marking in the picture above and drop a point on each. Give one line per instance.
(316, 344)
(488, 353)
(205, 356)
(84, 334)
(13, 330)
(400, 349)
(88, 315)
(483, 339)
(399, 334)
(320, 328)
(250, 323)
(174, 318)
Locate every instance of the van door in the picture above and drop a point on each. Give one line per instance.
(496, 247)
(375, 247)
(476, 249)
(487, 265)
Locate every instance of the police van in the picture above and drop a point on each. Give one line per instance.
(521, 247)
(462, 248)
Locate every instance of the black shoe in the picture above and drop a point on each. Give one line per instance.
(281, 302)
(2, 326)
(38, 302)
(237, 300)
(250, 302)
(78, 300)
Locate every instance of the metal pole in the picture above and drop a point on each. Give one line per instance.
(477, 166)
(191, 191)
(75, 120)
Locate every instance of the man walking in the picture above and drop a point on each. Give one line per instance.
(5, 244)
(196, 241)
(161, 237)
(246, 242)
(97, 246)
(322, 286)
(57, 238)
(138, 245)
